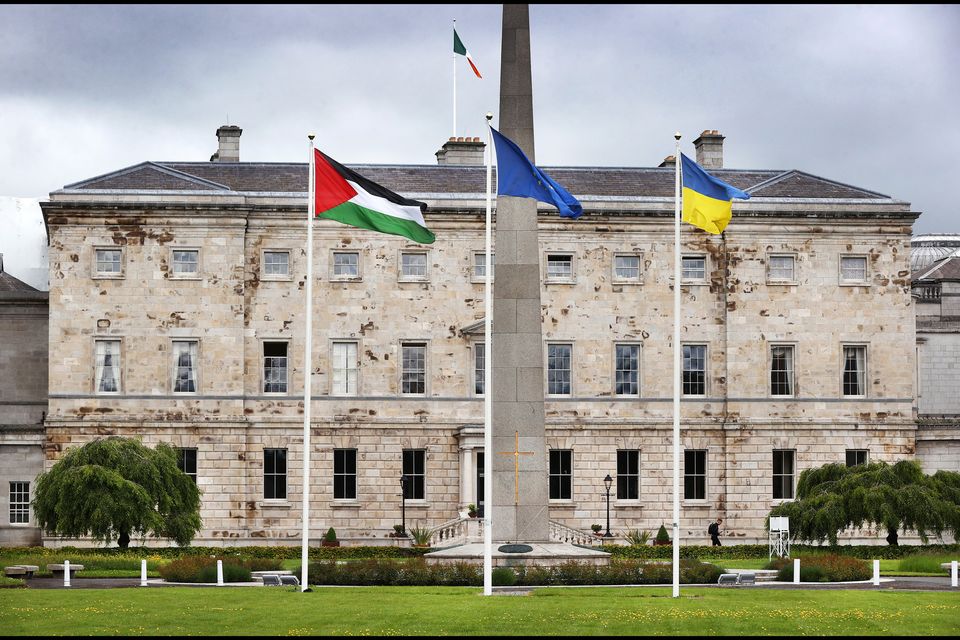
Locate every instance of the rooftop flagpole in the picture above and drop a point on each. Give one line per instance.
(676, 377)
(487, 391)
(307, 374)
(454, 54)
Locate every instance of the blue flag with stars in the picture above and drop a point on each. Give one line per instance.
(517, 176)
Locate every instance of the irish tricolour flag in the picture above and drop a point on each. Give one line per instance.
(462, 50)
(346, 196)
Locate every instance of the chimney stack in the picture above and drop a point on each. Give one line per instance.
(461, 151)
(669, 162)
(228, 137)
(709, 148)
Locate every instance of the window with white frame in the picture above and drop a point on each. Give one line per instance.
(275, 474)
(413, 377)
(693, 268)
(413, 265)
(344, 474)
(781, 268)
(346, 368)
(784, 469)
(185, 363)
(695, 474)
(857, 456)
(560, 267)
(854, 370)
(107, 368)
(626, 268)
(187, 462)
(628, 474)
(275, 369)
(480, 265)
(627, 373)
(559, 357)
(561, 474)
(109, 263)
(853, 269)
(19, 502)
(694, 370)
(415, 474)
(781, 370)
(479, 367)
(346, 264)
(186, 262)
(276, 264)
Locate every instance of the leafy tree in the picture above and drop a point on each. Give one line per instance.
(117, 487)
(835, 497)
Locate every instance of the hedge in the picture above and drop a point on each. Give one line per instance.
(746, 551)
(278, 552)
(386, 572)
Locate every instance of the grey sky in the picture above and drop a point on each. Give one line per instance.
(862, 94)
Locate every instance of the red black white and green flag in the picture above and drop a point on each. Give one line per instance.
(344, 195)
(462, 50)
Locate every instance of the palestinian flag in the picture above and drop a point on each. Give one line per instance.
(462, 50)
(346, 196)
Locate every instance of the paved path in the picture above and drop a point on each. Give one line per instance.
(898, 583)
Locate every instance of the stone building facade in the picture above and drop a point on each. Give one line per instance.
(936, 288)
(23, 403)
(176, 314)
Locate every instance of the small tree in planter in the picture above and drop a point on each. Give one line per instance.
(472, 510)
(330, 539)
(663, 538)
(596, 528)
(398, 531)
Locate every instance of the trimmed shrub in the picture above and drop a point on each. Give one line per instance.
(186, 569)
(504, 577)
(827, 568)
(198, 569)
(231, 573)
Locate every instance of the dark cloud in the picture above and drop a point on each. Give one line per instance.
(861, 94)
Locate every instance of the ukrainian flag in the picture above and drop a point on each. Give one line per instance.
(706, 200)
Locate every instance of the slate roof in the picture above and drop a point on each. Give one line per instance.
(946, 269)
(9, 284)
(451, 179)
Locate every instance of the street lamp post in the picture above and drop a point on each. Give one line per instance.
(607, 482)
(403, 503)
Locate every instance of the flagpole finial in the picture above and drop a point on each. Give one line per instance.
(489, 116)
(677, 136)
(311, 136)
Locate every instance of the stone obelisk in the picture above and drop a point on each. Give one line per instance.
(519, 499)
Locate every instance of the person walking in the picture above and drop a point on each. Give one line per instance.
(714, 531)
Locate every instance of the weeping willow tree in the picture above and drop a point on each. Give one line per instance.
(894, 497)
(116, 487)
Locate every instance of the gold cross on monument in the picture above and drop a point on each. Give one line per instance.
(516, 453)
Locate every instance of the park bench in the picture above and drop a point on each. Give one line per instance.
(18, 570)
(728, 578)
(276, 580)
(747, 578)
(57, 569)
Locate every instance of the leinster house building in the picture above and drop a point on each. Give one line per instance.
(176, 314)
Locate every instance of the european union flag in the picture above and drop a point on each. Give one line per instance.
(517, 176)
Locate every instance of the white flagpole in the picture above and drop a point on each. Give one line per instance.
(676, 377)
(487, 391)
(454, 85)
(307, 371)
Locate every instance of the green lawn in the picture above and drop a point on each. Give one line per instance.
(464, 611)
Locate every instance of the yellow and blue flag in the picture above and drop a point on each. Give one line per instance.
(517, 176)
(706, 200)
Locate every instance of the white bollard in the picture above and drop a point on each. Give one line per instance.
(143, 573)
(953, 573)
(219, 573)
(66, 573)
(876, 573)
(796, 571)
